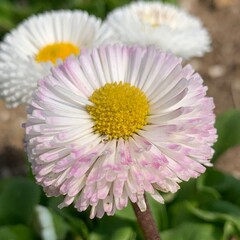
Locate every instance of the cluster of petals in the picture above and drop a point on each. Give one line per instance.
(143, 23)
(19, 71)
(68, 158)
(163, 25)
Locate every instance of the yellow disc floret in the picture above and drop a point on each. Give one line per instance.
(52, 52)
(118, 110)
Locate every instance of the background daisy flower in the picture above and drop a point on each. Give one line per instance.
(28, 52)
(115, 123)
(160, 24)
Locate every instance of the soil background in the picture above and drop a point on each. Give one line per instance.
(220, 70)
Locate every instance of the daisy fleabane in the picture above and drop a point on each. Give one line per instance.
(29, 51)
(116, 122)
(163, 25)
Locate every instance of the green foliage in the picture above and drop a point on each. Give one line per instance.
(228, 128)
(210, 202)
(159, 212)
(111, 228)
(18, 198)
(16, 232)
(75, 221)
(127, 213)
(60, 225)
(224, 185)
(192, 231)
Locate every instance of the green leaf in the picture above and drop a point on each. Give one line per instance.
(229, 231)
(218, 211)
(78, 226)
(112, 228)
(18, 198)
(228, 129)
(111, 4)
(71, 217)
(17, 232)
(60, 225)
(192, 231)
(179, 213)
(212, 193)
(177, 210)
(226, 185)
(187, 191)
(125, 233)
(97, 8)
(126, 213)
(171, 1)
(159, 213)
(194, 190)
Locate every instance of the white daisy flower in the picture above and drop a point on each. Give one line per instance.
(116, 122)
(28, 52)
(163, 25)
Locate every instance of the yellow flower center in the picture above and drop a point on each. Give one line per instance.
(158, 18)
(149, 17)
(52, 52)
(119, 110)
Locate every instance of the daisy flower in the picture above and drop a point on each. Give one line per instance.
(116, 122)
(163, 25)
(41, 41)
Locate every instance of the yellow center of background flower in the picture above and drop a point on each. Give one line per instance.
(119, 110)
(54, 51)
(157, 17)
(149, 17)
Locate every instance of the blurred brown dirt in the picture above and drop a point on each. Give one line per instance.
(220, 69)
(12, 156)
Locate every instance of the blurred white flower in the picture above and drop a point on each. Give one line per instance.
(45, 223)
(163, 25)
(28, 52)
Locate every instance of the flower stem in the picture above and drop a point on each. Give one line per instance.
(147, 223)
